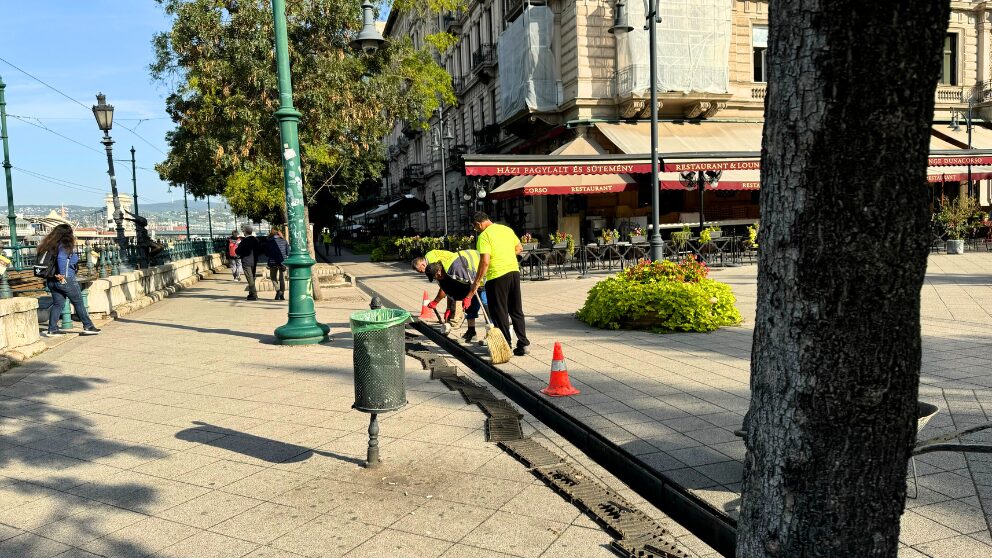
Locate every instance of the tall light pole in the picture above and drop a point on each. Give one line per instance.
(104, 114)
(189, 233)
(210, 221)
(302, 327)
(15, 251)
(134, 180)
(440, 141)
(620, 25)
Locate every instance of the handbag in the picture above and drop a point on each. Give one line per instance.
(45, 266)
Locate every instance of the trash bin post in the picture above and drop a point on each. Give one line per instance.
(372, 459)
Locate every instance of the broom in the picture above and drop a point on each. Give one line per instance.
(499, 349)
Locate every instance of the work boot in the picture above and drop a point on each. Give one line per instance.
(469, 335)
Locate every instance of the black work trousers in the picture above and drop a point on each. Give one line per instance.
(506, 306)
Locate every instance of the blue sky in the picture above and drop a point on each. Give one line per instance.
(81, 48)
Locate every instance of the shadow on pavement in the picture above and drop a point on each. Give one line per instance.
(262, 338)
(265, 449)
(50, 454)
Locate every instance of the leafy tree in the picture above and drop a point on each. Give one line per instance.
(835, 363)
(219, 63)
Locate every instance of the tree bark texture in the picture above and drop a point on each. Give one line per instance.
(844, 231)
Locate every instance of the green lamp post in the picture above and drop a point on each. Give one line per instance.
(15, 250)
(302, 327)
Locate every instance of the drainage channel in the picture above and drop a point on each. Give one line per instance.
(704, 521)
(636, 534)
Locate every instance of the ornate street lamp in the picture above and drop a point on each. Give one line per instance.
(692, 180)
(368, 39)
(302, 327)
(620, 26)
(104, 114)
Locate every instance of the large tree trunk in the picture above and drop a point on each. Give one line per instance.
(836, 356)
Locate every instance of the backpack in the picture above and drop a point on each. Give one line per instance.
(44, 267)
(232, 247)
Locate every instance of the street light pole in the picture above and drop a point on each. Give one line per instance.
(302, 327)
(657, 245)
(189, 233)
(134, 180)
(104, 114)
(970, 104)
(210, 221)
(15, 251)
(620, 25)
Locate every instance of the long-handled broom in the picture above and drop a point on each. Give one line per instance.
(499, 348)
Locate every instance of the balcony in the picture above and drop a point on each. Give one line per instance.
(454, 161)
(513, 8)
(484, 60)
(451, 22)
(458, 84)
(486, 138)
(411, 130)
(413, 174)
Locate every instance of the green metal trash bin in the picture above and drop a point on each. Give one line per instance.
(379, 359)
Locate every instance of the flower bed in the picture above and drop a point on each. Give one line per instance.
(661, 296)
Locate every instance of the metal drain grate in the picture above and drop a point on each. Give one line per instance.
(531, 453)
(500, 409)
(500, 429)
(637, 534)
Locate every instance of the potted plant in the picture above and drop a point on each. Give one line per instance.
(681, 238)
(563, 240)
(527, 241)
(955, 215)
(752, 237)
(610, 236)
(637, 236)
(715, 231)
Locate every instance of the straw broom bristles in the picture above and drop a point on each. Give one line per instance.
(499, 348)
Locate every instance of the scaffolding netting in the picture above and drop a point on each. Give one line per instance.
(693, 47)
(527, 77)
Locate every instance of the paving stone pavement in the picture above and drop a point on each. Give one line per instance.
(674, 400)
(183, 431)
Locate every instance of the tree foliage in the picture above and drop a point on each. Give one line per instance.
(218, 63)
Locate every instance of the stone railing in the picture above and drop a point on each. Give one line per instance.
(19, 335)
(950, 94)
(120, 294)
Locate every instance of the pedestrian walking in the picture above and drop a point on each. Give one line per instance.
(455, 282)
(498, 247)
(337, 241)
(326, 237)
(249, 249)
(277, 250)
(233, 259)
(60, 247)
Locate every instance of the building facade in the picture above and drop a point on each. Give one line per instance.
(541, 77)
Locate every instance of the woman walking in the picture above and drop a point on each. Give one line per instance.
(61, 244)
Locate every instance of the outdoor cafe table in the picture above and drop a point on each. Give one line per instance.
(535, 261)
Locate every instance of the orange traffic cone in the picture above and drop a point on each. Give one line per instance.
(559, 385)
(425, 310)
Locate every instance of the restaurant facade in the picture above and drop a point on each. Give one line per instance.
(558, 104)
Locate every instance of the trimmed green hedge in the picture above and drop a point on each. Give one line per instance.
(661, 296)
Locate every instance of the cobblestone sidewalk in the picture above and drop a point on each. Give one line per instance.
(182, 431)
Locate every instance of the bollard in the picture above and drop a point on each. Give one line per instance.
(376, 302)
(66, 315)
